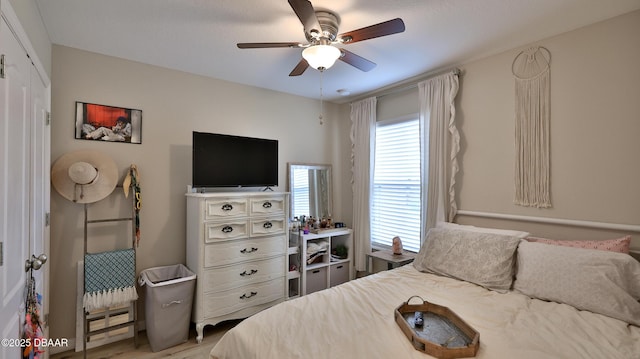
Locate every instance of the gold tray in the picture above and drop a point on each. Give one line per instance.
(443, 334)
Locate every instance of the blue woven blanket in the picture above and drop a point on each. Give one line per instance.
(109, 278)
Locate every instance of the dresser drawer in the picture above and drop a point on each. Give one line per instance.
(238, 275)
(221, 231)
(267, 205)
(242, 250)
(267, 226)
(229, 301)
(225, 207)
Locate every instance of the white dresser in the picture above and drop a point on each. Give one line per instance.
(237, 246)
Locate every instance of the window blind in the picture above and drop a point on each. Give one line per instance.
(396, 185)
(300, 192)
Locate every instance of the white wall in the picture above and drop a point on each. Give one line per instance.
(398, 104)
(173, 104)
(595, 123)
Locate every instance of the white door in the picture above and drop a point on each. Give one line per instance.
(24, 182)
(40, 165)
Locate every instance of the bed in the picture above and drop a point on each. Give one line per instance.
(526, 299)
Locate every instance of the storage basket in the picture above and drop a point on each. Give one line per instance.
(168, 302)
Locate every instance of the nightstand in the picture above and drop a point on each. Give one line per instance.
(393, 260)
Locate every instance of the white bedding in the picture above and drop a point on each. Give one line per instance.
(355, 320)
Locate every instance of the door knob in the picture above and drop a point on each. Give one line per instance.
(35, 263)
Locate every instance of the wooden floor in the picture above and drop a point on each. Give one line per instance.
(125, 349)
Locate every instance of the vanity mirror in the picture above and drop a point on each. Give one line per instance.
(310, 188)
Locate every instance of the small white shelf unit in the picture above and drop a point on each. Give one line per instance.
(293, 263)
(325, 271)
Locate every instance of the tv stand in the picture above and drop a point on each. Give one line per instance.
(268, 188)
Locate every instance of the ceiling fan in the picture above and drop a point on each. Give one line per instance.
(321, 31)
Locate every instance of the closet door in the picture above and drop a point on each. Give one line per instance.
(15, 182)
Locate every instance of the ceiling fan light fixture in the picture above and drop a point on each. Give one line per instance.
(321, 57)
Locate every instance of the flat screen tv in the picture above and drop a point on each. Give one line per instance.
(233, 161)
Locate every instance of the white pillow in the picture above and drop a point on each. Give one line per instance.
(464, 227)
(486, 259)
(602, 282)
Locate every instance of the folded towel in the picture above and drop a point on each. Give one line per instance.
(109, 279)
(315, 247)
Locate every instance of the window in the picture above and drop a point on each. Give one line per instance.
(395, 198)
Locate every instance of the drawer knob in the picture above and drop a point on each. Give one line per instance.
(253, 249)
(267, 225)
(266, 204)
(252, 272)
(227, 207)
(227, 229)
(245, 296)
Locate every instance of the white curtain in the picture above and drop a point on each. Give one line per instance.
(440, 144)
(363, 135)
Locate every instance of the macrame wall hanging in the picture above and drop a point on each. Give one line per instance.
(532, 77)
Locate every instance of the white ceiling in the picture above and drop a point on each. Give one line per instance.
(200, 36)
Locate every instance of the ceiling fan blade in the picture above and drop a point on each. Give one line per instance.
(300, 68)
(307, 15)
(263, 45)
(356, 61)
(382, 29)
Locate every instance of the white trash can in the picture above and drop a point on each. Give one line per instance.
(168, 301)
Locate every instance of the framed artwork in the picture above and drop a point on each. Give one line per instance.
(107, 123)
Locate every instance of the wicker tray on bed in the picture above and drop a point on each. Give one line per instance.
(443, 334)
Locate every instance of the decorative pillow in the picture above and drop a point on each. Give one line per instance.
(602, 282)
(614, 245)
(464, 227)
(485, 259)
